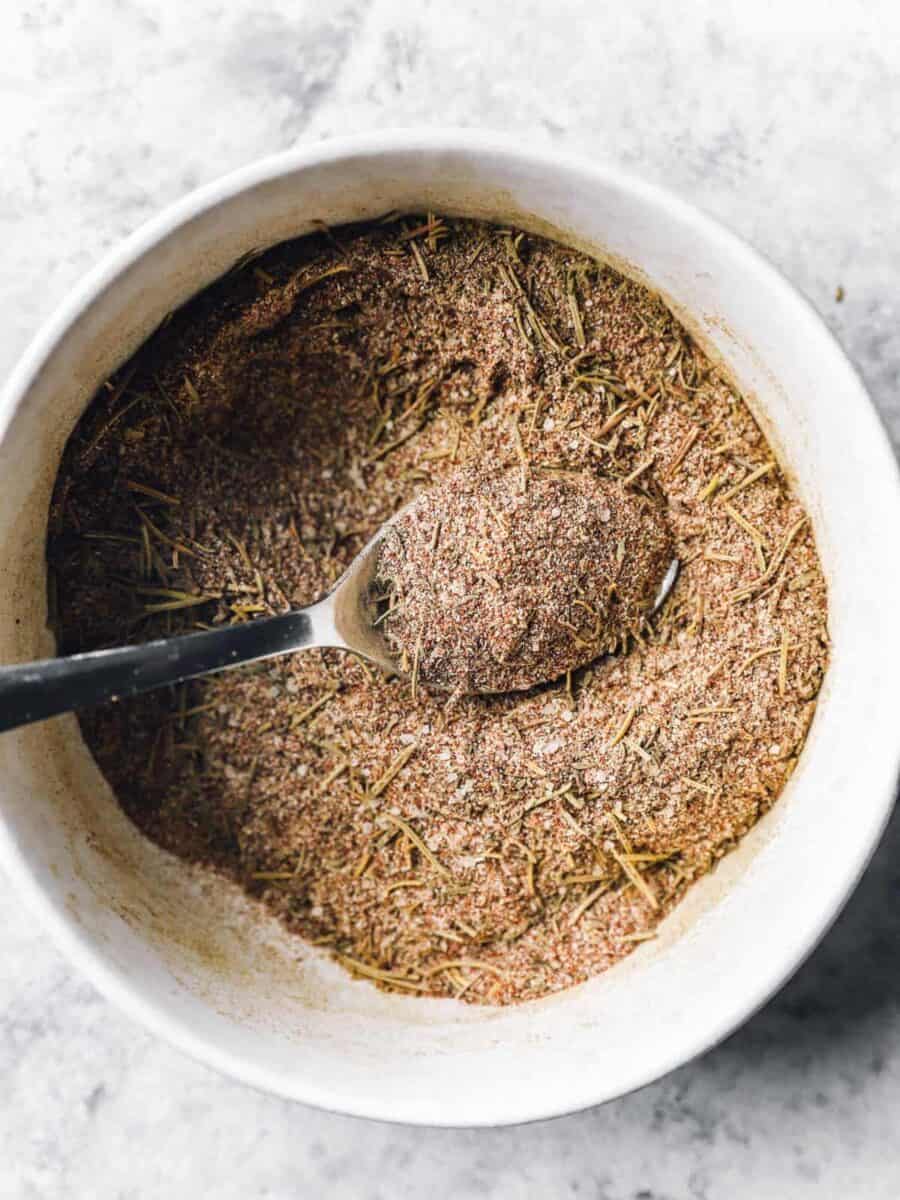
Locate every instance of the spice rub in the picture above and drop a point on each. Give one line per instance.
(496, 581)
(494, 848)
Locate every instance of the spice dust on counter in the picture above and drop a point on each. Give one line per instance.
(492, 848)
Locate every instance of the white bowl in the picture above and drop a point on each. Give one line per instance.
(202, 966)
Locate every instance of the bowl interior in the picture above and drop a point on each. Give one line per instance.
(201, 965)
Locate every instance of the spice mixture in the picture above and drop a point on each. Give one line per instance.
(496, 581)
(494, 848)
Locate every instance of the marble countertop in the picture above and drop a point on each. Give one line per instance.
(784, 121)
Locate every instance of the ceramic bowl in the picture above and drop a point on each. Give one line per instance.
(202, 966)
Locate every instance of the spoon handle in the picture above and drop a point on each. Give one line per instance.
(34, 691)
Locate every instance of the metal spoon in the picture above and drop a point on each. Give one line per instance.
(344, 619)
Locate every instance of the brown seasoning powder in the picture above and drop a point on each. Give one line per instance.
(493, 848)
(494, 581)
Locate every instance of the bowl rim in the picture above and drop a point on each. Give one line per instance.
(79, 947)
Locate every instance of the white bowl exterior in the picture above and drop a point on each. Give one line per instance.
(200, 965)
